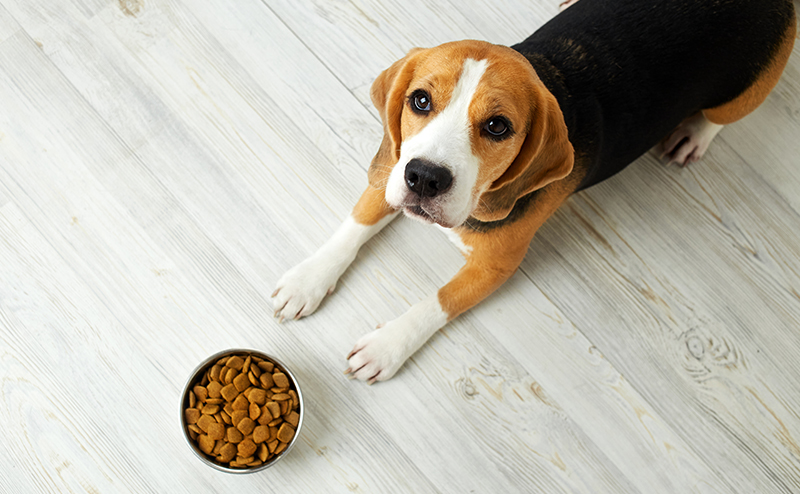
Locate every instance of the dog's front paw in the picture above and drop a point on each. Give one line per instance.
(378, 355)
(302, 288)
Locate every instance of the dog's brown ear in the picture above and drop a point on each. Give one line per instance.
(388, 94)
(546, 155)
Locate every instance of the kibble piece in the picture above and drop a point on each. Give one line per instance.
(246, 425)
(285, 433)
(295, 400)
(258, 396)
(262, 452)
(280, 380)
(223, 360)
(255, 463)
(229, 392)
(247, 460)
(256, 370)
(274, 409)
(267, 366)
(192, 414)
(217, 448)
(235, 362)
(228, 408)
(230, 374)
(215, 401)
(238, 415)
(273, 434)
(273, 445)
(216, 431)
(241, 382)
(255, 411)
(280, 397)
(213, 374)
(204, 421)
(275, 422)
(192, 399)
(260, 434)
(293, 418)
(234, 435)
(210, 409)
(280, 448)
(194, 428)
(246, 448)
(226, 417)
(236, 464)
(214, 388)
(201, 393)
(246, 365)
(266, 380)
(241, 403)
(227, 452)
(265, 417)
(285, 407)
(206, 443)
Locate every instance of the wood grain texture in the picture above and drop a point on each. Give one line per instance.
(162, 163)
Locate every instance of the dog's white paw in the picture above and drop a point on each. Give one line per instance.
(300, 291)
(689, 141)
(378, 355)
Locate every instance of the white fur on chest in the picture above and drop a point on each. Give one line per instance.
(456, 239)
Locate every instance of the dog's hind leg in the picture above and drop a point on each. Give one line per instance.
(689, 140)
(563, 5)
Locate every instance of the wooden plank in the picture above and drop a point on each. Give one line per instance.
(770, 134)
(688, 282)
(411, 402)
(173, 301)
(8, 26)
(357, 39)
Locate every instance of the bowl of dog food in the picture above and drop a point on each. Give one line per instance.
(241, 411)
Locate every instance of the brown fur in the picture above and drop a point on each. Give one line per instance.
(497, 254)
(371, 207)
(539, 155)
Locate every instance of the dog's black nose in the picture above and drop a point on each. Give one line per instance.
(426, 179)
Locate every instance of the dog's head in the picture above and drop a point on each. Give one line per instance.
(468, 129)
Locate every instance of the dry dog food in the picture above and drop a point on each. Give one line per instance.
(243, 411)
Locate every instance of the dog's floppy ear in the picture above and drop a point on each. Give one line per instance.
(388, 94)
(546, 155)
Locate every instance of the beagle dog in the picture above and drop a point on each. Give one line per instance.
(486, 141)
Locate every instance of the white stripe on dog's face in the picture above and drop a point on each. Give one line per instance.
(444, 141)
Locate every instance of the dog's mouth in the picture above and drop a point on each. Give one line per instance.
(417, 211)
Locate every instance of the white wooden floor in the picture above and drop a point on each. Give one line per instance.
(162, 163)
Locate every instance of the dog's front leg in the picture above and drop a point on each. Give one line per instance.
(493, 255)
(300, 291)
(491, 260)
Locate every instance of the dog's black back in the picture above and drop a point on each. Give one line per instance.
(627, 72)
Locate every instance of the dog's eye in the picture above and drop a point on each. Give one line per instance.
(420, 101)
(496, 127)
